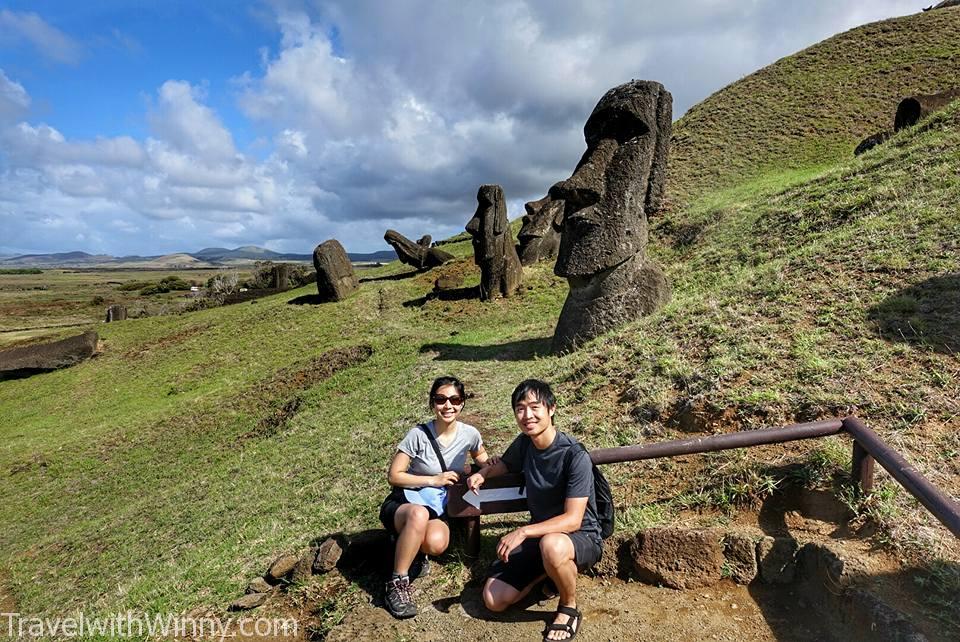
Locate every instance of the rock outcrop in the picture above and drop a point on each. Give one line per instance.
(493, 248)
(540, 235)
(336, 279)
(419, 255)
(620, 178)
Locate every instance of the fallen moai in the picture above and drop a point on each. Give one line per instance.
(870, 142)
(336, 279)
(618, 180)
(44, 357)
(540, 235)
(419, 255)
(493, 248)
(912, 108)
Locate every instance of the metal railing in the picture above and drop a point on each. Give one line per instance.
(868, 448)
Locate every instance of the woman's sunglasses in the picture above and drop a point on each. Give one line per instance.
(439, 400)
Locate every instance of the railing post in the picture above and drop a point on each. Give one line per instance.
(472, 544)
(861, 470)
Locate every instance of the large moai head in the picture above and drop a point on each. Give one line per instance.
(540, 235)
(618, 180)
(493, 248)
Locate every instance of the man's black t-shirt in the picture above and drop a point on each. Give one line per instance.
(548, 485)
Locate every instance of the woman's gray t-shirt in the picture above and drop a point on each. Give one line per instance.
(423, 459)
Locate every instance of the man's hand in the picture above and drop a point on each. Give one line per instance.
(447, 478)
(509, 542)
(474, 482)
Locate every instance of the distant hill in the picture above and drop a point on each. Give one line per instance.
(813, 107)
(205, 258)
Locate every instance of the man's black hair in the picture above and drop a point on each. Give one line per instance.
(539, 389)
(440, 382)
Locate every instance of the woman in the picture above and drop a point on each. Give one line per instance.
(414, 512)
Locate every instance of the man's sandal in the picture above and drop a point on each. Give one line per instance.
(574, 616)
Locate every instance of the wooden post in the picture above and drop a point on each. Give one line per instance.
(472, 544)
(862, 468)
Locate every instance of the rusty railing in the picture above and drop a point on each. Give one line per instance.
(868, 448)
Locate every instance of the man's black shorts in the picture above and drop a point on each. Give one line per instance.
(525, 563)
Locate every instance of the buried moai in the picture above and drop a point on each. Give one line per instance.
(420, 255)
(335, 277)
(539, 238)
(493, 248)
(620, 178)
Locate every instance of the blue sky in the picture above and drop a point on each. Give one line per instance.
(154, 127)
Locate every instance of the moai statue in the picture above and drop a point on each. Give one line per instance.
(619, 179)
(116, 312)
(493, 247)
(540, 235)
(280, 276)
(335, 277)
(420, 255)
(425, 240)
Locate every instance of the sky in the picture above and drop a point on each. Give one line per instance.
(135, 127)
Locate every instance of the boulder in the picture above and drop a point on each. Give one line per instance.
(618, 181)
(335, 277)
(740, 552)
(259, 585)
(44, 357)
(328, 554)
(870, 142)
(281, 567)
(422, 257)
(494, 251)
(304, 567)
(448, 282)
(249, 601)
(677, 558)
(778, 559)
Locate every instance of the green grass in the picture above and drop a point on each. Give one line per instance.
(814, 106)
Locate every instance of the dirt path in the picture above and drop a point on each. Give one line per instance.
(613, 610)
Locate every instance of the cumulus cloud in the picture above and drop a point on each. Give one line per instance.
(383, 114)
(49, 42)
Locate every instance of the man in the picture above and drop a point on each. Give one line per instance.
(563, 536)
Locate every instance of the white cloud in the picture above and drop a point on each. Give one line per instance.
(49, 41)
(378, 114)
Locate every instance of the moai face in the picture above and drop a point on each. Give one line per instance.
(489, 223)
(619, 178)
(543, 221)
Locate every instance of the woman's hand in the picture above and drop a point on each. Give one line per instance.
(447, 478)
(474, 482)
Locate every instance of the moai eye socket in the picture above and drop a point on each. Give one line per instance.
(618, 124)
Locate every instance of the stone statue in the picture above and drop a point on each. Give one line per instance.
(335, 277)
(493, 247)
(420, 255)
(540, 235)
(619, 179)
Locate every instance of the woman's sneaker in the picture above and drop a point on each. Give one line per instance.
(420, 567)
(398, 599)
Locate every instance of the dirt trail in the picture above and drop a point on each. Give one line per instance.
(613, 610)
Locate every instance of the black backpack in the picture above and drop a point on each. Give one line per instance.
(601, 488)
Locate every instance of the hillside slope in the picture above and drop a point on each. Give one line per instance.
(813, 107)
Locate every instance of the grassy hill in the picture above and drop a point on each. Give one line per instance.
(813, 107)
(164, 474)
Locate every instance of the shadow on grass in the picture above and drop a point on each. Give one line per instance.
(926, 314)
(307, 299)
(457, 294)
(392, 277)
(522, 350)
